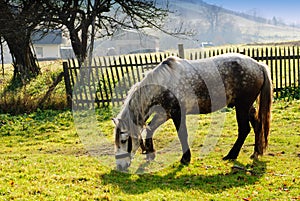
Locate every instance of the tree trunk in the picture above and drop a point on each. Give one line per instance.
(16, 30)
(24, 62)
(79, 40)
(78, 46)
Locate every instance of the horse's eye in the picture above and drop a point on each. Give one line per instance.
(123, 141)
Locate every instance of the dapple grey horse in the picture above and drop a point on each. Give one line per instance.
(202, 86)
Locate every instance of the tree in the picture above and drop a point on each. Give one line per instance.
(274, 21)
(18, 20)
(212, 14)
(86, 19)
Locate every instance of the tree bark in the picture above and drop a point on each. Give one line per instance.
(24, 62)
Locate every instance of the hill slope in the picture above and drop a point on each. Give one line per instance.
(207, 22)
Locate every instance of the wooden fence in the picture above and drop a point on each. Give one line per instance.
(107, 79)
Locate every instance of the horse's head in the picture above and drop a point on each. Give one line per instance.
(126, 141)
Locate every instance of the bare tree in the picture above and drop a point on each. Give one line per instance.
(212, 14)
(18, 20)
(85, 19)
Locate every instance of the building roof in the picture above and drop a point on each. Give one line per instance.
(51, 37)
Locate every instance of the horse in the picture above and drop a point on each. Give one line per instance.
(178, 87)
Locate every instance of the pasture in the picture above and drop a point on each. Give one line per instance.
(42, 158)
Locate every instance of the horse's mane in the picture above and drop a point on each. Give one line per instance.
(160, 76)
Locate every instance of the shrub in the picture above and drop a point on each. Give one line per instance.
(18, 98)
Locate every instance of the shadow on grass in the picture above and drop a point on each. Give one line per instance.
(239, 176)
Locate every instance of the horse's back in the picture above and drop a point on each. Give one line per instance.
(221, 80)
(242, 77)
(237, 77)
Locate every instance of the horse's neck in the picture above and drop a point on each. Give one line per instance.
(140, 104)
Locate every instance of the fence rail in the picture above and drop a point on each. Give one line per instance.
(106, 80)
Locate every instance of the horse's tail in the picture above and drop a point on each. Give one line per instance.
(264, 110)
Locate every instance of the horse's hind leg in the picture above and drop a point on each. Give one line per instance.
(180, 124)
(256, 127)
(242, 116)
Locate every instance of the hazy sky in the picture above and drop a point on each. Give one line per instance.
(287, 10)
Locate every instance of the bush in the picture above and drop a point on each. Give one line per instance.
(17, 97)
(289, 93)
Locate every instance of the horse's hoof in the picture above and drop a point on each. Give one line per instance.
(254, 156)
(185, 161)
(186, 158)
(229, 158)
(150, 156)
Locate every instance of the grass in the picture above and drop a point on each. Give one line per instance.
(42, 158)
(44, 155)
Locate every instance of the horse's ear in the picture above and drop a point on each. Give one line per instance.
(115, 120)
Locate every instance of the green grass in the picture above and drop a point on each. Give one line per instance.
(42, 158)
(43, 155)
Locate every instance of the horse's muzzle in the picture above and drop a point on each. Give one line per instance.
(123, 168)
(123, 161)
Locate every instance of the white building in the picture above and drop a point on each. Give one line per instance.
(47, 46)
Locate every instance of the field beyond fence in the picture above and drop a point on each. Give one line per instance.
(106, 80)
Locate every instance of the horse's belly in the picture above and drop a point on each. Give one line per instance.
(201, 106)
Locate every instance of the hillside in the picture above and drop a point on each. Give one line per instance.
(197, 22)
(207, 22)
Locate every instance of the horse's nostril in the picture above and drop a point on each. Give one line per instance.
(123, 167)
(119, 167)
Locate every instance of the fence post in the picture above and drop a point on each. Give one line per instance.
(180, 51)
(67, 84)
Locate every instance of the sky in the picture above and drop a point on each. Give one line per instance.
(287, 10)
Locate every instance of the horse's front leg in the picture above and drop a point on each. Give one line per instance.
(157, 120)
(180, 124)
